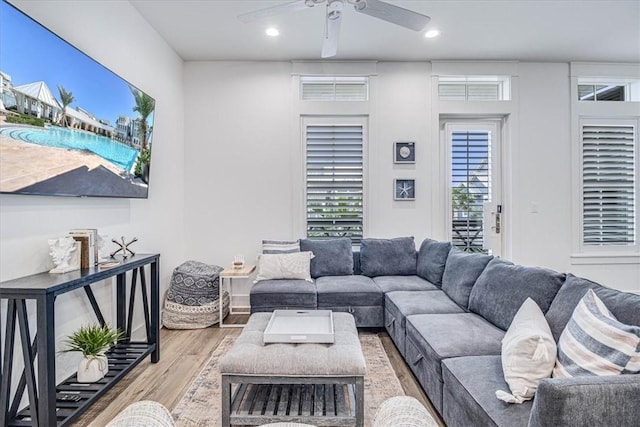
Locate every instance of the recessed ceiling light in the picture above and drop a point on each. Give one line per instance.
(272, 32)
(431, 34)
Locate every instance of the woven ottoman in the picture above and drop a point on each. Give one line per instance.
(193, 298)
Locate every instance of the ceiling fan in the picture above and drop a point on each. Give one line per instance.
(376, 8)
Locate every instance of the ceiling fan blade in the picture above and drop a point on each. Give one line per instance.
(281, 9)
(394, 14)
(334, 19)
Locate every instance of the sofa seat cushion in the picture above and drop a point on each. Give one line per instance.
(434, 337)
(469, 398)
(283, 293)
(503, 287)
(623, 305)
(344, 291)
(403, 283)
(400, 304)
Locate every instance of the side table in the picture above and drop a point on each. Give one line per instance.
(227, 276)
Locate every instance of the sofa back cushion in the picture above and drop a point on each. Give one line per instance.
(388, 257)
(503, 287)
(623, 305)
(332, 257)
(432, 259)
(460, 274)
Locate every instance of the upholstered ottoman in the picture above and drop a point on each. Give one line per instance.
(193, 298)
(318, 384)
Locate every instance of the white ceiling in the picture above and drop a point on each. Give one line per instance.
(526, 30)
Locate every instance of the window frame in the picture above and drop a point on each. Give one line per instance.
(603, 112)
(600, 121)
(338, 120)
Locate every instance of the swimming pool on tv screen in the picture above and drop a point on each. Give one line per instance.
(115, 152)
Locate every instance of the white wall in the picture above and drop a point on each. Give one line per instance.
(114, 34)
(239, 187)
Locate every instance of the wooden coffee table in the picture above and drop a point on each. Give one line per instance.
(319, 384)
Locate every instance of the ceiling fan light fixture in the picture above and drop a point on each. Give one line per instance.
(432, 33)
(272, 32)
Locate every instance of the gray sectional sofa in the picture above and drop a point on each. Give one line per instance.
(447, 312)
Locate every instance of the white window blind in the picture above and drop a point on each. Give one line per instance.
(609, 184)
(474, 88)
(334, 88)
(470, 187)
(334, 187)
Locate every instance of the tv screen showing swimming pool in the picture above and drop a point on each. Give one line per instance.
(68, 125)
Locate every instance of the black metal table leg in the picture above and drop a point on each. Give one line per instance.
(46, 359)
(7, 364)
(132, 301)
(28, 359)
(145, 303)
(121, 303)
(155, 310)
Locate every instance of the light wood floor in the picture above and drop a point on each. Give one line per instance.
(183, 354)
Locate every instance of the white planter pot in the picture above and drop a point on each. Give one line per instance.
(92, 369)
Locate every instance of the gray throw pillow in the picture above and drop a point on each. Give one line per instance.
(623, 305)
(388, 257)
(332, 257)
(503, 287)
(432, 259)
(460, 274)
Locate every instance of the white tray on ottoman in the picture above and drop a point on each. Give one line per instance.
(300, 326)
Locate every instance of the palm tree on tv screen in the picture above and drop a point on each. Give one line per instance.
(144, 106)
(66, 98)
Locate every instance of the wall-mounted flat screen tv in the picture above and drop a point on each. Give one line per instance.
(68, 125)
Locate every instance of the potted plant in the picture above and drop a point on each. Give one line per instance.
(92, 341)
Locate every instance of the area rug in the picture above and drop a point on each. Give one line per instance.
(200, 405)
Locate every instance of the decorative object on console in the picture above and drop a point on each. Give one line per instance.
(238, 261)
(404, 152)
(89, 239)
(124, 247)
(404, 189)
(65, 253)
(101, 247)
(92, 341)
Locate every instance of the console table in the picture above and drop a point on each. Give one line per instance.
(49, 403)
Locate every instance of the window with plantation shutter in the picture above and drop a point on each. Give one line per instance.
(609, 184)
(334, 181)
(325, 88)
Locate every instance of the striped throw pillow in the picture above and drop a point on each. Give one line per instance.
(280, 246)
(594, 342)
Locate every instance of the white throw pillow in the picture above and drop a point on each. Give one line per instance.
(528, 353)
(594, 342)
(284, 266)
